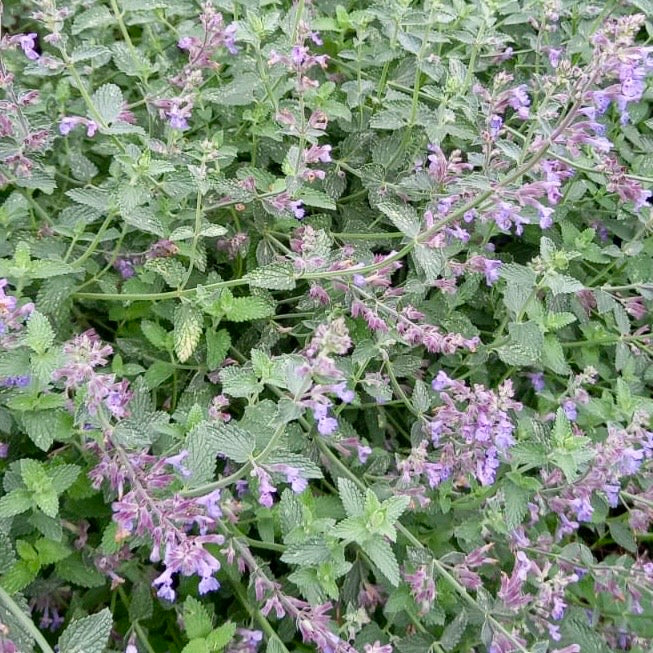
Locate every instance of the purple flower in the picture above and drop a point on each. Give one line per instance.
(537, 380)
(496, 122)
(176, 462)
(124, 267)
(265, 488)
(554, 56)
(327, 425)
(489, 267)
(68, 123)
(27, 42)
(441, 381)
(570, 410)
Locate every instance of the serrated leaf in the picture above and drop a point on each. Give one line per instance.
(15, 502)
(63, 476)
(516, 504)
(155, 333)
(87, 635)
(85, 52)
(561, 284)
(39, 336)
(276, 276)
(75, 569)
(50, 551)
(518, 274)
(381, 554)
(97, 198)
(197, 622)
(219, 637)
(239, 381)
(454, 631)
(109, 102)
(141, 605)
(217, 346)
(353, 500)
(197, 645)
(188, 323)
(144, 219)
(244, 309)
(622, 535)
(311, 552)
(402, 216)
(39, 429)
(158, 373)
(234, 442)
(553, 355)
(20, 576)
(525, 346)
(202, 450)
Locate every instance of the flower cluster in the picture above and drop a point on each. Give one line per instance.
(143, 509)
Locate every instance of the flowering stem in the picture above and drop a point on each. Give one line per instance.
(255, 613)
(26, 623)
(228, 480)
(373, 267)
(440, 568)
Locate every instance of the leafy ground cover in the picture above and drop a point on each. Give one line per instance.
(326, 326)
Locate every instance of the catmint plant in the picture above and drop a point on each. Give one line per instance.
(326, 327)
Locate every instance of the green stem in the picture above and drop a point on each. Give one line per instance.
(26, 623)
(243, 471)
(439, 567)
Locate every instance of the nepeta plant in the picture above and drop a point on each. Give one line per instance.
(326, 326)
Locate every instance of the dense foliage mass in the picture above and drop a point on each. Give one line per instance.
(325, 326)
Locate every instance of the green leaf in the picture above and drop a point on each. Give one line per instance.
(202, 448)
(239, 382)
(218, 638)
(402, 216)
(93, 18)
(198, 645)
(39, 428)
(97, 198)
(217, 346)
(157, 373)
(553, 355)
(50, 551)
(188, 323)
(109, 102)
(352, 498)
(63, 476)
(144, 219)
(37, 480)
(516, 504)
(381, 554)
(87, 635)
(15, 502)
(316, 198)
(243, 309)
(197, 622)
(40, 335)
(155, 333)
(525, 346)
(75, 569)
(20, 576)
(233, 441)
(622, 535)
(561, 284)
(141, 605)
(276, 276)
(454, 631)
